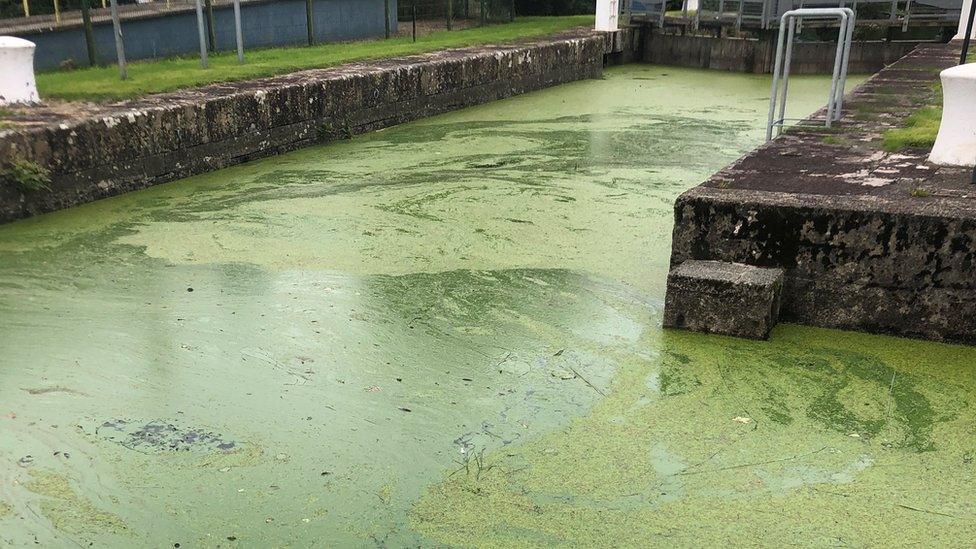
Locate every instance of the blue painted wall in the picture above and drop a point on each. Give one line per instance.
(273, 23)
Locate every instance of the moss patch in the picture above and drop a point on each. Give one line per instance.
(920, 131)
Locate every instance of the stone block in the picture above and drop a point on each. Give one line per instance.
(723, 298)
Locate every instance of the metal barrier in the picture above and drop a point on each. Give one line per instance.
(767, 14)
(788, 24)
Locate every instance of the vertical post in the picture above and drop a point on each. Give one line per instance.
(119, 47)
(27, 9)
(211, 28)
(450, 14)
(483, 14)
(967, 39)
(201, 32)
(239, 31)
(103, 4)
(413, 9)
(511, 11)
(89, 33)
(309, 21)
(57, 12)
(386, 16)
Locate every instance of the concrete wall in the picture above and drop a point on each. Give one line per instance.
(757, 56)
(265, 23)
(112, 149)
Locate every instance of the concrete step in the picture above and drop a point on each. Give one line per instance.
(723, 298)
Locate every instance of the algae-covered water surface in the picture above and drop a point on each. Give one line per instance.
(448, 334)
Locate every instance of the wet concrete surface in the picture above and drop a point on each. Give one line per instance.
(447, 333)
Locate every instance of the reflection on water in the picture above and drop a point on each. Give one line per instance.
(448, 333)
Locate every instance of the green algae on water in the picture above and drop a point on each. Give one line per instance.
(862, 460)
(68, 511)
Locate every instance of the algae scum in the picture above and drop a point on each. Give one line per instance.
(447, 333)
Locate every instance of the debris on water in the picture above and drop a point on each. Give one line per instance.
(559, 352)
(405, 409)
(189, 289)
(373, 389)
(742, 419)
(282, 457)
(158, 436)
(26, 461)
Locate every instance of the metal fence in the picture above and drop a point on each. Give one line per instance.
(765, 14)
(164, 28)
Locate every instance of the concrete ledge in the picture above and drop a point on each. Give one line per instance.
(869, 240)
(96, 151)
(723, 298)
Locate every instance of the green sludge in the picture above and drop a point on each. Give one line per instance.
(448, 333)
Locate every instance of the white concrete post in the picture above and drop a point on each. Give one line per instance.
(963, 19)
(607, 12)
(956, 143)
(17, 84)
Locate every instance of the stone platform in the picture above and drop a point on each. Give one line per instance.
(869, 240)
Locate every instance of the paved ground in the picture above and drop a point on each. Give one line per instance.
(816, 165)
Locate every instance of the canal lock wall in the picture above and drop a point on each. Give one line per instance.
(97, 151)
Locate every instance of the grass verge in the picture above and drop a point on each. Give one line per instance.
(103, 83)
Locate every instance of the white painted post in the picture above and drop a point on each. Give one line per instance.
(119, 45)
(17, 83)
(956, 142)
(202, 32)
(606, 15)
(239, 31)
(963, 19)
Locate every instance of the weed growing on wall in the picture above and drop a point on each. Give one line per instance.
(26, 176)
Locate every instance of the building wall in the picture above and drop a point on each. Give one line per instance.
(270, 23)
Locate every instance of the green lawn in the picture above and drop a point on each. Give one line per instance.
(103, 83)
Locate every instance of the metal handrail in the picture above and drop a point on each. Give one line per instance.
(838, 80)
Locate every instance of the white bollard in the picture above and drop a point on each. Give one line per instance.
(17, 83)
(956, 143)
(606, 15)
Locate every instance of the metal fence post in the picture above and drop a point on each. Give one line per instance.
(309, 21)
(202, 34)
(89, 33)
(26, 9)
(511, 11)
(57, 12)
(119, 47)
(211, 32)
(386, 16)
(239, 31)
(484, 16)
(413, 10)
(450, 14)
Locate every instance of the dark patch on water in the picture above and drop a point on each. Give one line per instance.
(159, 436)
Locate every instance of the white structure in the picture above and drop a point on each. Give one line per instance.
(963, 20)
(607, 14)
(17, 83)
(956, 143)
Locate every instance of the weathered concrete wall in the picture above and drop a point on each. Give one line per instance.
(265, 23)
(758, 56)
(869, 240)
(851, 264)
(108, 150)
